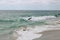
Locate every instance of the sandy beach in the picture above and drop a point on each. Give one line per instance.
(50, 35)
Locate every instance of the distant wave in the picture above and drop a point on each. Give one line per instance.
(7, 20)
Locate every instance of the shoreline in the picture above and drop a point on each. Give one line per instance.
(50, 35)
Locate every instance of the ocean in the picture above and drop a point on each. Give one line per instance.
(26, 24)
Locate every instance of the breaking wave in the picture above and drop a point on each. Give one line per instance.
(32, 18)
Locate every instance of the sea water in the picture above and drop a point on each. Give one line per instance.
(14, 24)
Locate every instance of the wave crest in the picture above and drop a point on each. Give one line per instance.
(33, 18)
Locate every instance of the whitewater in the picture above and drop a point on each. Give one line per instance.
(27, 24)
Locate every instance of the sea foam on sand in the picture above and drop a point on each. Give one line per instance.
(27, 34)
(30, 33)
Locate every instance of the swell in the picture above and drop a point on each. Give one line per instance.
(7, 20)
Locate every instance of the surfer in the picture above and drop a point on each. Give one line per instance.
(57, 15)
(29, 18)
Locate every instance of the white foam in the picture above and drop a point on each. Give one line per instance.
(27, 35)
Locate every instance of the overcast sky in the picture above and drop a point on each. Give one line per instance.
(29, 4)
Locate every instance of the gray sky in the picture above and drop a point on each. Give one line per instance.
(29, 4)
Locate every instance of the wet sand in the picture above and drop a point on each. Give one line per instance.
(50, 35)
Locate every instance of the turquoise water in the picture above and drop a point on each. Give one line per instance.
(13, 19)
